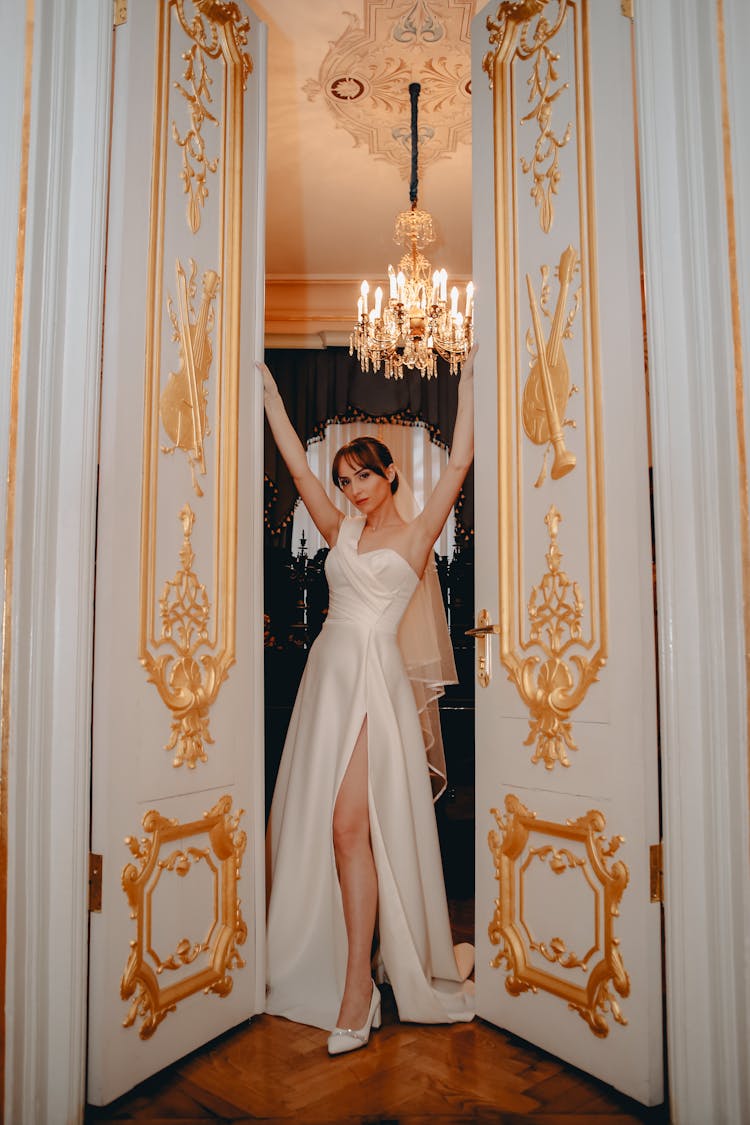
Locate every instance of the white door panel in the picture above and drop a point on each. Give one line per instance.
(568, 941)
(177, 951)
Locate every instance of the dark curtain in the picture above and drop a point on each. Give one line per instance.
(319, 387)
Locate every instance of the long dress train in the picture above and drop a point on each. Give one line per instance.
(355, 670)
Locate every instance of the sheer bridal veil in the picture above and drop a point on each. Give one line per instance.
(426, 649)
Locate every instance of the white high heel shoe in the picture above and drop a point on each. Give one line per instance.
(343, 1039)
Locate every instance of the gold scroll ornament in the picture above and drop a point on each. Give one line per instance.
(219, 843)
(184, 400)
(547, 388)
(187, 685)
(226, 31)
(511, 30)
(553, 691)
(578, 847)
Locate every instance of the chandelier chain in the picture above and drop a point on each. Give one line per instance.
(414, 89)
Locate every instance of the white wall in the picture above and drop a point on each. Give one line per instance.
(699, 565)
(50, 644)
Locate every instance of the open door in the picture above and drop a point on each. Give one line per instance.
(177, 953)
(568, 934)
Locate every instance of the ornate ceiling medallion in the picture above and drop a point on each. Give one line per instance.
(187, 685)
(530, 856)
(213, 846)
(365, 76)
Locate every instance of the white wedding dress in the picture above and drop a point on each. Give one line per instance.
(355, 670)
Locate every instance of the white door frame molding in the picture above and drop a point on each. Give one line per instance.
(49, 702)
(697, 501)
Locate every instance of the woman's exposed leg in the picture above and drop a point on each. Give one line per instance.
(359, 883)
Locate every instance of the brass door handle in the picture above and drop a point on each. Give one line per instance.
(484, 630)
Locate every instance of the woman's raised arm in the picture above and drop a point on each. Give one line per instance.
(437, 509)
(325, 515)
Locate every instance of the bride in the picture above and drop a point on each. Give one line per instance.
(352, 833)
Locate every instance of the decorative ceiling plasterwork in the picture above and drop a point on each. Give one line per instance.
(365, 77)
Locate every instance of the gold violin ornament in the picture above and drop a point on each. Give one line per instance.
(184, 400)
(547, 388)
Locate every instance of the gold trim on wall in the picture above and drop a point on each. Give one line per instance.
(578, 846)
(739, 374)
(208, 339)
(532, 405)
(10, 516)
(218, 843)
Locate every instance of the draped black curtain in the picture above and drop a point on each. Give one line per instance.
(320, 387)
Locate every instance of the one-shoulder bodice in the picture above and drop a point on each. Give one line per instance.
(370, 590)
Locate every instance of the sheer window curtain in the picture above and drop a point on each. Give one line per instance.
(416, 456)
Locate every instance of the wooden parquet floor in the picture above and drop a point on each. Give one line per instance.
(275, 1071)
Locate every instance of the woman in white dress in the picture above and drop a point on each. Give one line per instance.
(352, 834)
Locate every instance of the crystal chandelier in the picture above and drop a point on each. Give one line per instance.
(417, 323)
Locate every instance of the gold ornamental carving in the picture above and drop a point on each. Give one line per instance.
(187, 680)
(548, 388)
(554, 684)
(524, 28)
(579, 849)
(554, 630)
(183, 402)
(217, 843)
(187, 628)
(215, 28)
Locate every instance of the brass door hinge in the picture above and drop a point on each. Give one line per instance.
(656, 870)
(626, 7)
(120, 12)
(95, 882)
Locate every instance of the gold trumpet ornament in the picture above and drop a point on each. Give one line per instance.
(547, 388)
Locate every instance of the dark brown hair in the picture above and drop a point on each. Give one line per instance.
(365, 453)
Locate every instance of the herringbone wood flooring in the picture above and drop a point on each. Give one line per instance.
(275, 1071)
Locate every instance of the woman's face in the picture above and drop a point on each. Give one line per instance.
(366, 490)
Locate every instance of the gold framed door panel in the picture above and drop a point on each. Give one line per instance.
(177, 950)
(568, 949)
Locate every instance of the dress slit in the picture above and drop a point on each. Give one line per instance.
(345, 763)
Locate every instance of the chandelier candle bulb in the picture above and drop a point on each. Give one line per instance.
(443, 285)
(469, 298)
(365, 289)
(378, 302)
(392, 280)
(454, 301)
